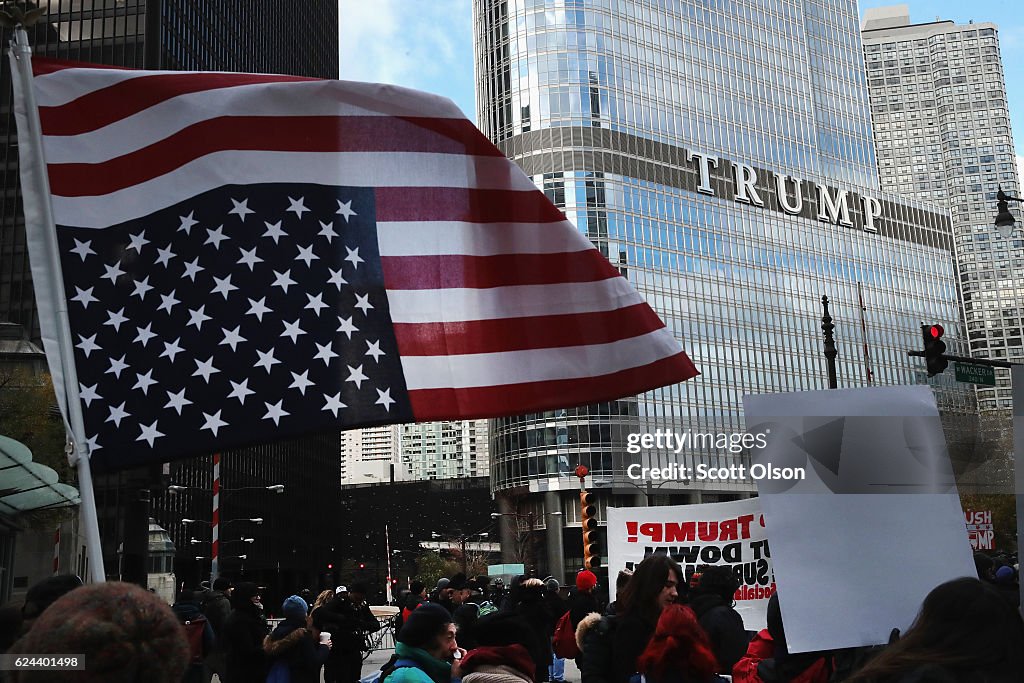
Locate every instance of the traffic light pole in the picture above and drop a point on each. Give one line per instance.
(965, 359)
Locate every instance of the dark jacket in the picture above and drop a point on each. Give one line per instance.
(580, 605)
(297, 646)
(242, 638)
(629, 641)
(346, 623)
(536, 612)
(594, 639)
(216, 607)
(724, 627)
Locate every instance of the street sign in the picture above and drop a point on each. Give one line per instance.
(976, 374)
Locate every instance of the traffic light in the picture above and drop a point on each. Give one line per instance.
(362, 565)
(588, 516)
(934, 347)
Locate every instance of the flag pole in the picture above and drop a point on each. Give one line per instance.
(46, 273)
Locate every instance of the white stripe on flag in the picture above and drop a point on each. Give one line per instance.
(233, 167)
(513, 367)
(454, 305)
(433, 238)
(306, 98)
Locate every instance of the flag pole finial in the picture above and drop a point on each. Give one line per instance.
(13, 16)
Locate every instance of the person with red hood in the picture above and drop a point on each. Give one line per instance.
(768, 659)
(502, 654)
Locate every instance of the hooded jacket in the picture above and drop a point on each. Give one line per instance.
(508, 664)
(759, 666)
(295, 644)
(427, 669)
(724, 627)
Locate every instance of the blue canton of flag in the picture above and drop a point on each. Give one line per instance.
(267, 296)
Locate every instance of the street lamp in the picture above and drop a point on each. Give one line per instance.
(215, 524)
(1004, 220)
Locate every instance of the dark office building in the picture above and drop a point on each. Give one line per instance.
(262, 36)
(259, 36)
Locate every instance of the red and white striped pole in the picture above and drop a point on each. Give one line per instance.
(215, 523)
(56, 552)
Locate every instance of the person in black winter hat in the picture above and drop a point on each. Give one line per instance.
(712, 601)
(242, 637)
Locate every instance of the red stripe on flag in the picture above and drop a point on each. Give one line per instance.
(519, 334)
(115, 102)
(396, 204)
(47, 65)
(270, 134)
(500, 270)
(498, 401)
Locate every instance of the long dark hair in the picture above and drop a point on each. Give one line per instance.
(640, 596)
(964, 626)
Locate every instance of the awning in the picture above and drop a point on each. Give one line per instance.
(26, 486)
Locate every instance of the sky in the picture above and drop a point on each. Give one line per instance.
(428, 45)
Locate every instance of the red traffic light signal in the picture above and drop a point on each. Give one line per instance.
(934, 348)
(362, 565)
(330, 565)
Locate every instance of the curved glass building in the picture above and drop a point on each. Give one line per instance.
(721, 156)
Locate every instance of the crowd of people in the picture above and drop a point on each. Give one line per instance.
(664, 627)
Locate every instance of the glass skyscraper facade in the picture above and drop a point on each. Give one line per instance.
(942, 126)
(614, 107)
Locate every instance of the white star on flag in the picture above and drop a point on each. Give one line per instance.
(275, 412)
(213, 422)
(187, 223)
(144, 381)
(274, 231)
(177, 401)
(353, 257)
(356, 376)
(149, 433)
(240, 390)
(82, 248)
(136, 242)
(345, 210)
(240, 209)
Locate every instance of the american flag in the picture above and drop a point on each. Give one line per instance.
(248, 258)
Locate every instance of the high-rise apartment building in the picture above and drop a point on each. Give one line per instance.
(368, 455)
(721, 156)
(259, 36)
(452, 449)
(942, 130)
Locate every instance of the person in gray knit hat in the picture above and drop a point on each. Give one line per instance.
(124, 633)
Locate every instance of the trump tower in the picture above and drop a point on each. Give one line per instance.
(721, 156)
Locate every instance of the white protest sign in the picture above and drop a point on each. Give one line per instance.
(875, 525)
(730, 533)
